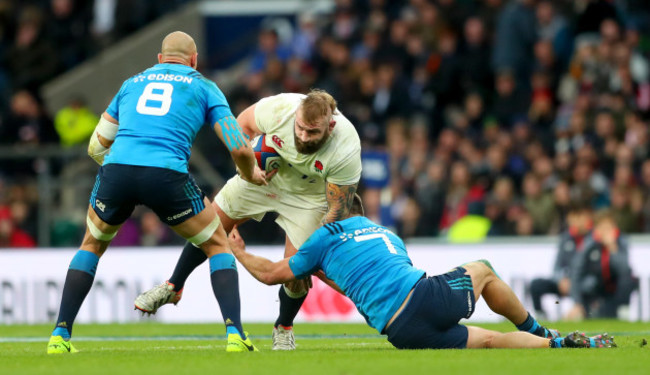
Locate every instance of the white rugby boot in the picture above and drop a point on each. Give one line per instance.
(283, 338)
(150, 301)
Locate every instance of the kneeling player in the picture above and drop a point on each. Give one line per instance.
(370, 264)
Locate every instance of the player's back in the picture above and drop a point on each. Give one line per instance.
(160, 111)
(370, 264)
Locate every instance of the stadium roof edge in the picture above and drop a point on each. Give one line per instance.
(262, 7)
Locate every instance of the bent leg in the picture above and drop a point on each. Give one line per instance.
(502, 300)
(292, 294)
(192, 256)
(81, 273)
(479, 338)
(223, 268)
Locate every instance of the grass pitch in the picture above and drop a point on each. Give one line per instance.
(154, 348)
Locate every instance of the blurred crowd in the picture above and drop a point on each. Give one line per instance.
(40, 39)
(496, 114)
(499, 111)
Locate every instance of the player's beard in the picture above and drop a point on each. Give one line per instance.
(310, 147)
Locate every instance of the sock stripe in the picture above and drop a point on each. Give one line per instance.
(84, 261)
(222, 261)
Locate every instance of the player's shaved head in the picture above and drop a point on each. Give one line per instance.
(178, 47)
(357, 206)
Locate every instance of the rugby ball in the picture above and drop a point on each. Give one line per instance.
(267, 158)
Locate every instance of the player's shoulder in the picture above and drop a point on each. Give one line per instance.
(283, 102)
(345, 133)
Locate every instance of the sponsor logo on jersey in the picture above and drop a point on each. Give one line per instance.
(278, 141)
(318, 166)
(99, 204)
(180, 214)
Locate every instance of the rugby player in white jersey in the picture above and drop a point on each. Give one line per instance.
(315, 185)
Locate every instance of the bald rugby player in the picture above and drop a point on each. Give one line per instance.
(142, 143)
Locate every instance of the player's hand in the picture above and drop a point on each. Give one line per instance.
(258, 178)
(236, 242)
(270, 175)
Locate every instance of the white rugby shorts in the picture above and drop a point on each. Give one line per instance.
(299, 215)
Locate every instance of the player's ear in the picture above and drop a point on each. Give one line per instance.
(160, 60)
(332, 124)
(194, 60)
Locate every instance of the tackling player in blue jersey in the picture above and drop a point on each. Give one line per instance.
(143, 143)
(371, 266)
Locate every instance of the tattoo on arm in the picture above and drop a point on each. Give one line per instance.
(339, 201)
(233, 135)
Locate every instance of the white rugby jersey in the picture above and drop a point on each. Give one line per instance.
(337, 162)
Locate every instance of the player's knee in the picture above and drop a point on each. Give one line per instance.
(295, 289)
(487, 266)
(97, 233)
(206, 233)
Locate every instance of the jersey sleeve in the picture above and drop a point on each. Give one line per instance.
(216, 103)
(308, 259)
(266, 110)
(348, 172)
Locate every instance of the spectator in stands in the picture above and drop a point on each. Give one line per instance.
(580, 223)
(27, 123)
(269, 48)
(32, 59)
(516, 33)
(462, 195)
(67, 27)
(75, 123)
(10, 235)
(602, 281)
(538, 203)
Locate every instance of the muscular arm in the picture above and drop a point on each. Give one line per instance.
(230, 133)
(262, 269)
(339, 201)
(247, 121)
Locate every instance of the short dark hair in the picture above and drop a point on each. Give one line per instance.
(357, 206)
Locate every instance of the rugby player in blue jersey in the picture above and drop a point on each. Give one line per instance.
(371, 266)
(142, 143)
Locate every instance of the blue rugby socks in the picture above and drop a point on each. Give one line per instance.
(78, 281)
(191, 257)
(225, 285)
(289, 307)
(531, 325)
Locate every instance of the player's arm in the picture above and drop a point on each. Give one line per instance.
(230, 133)
(339, 201)
(264, 270)
(246, 120)
(102, 138)
(321, 275)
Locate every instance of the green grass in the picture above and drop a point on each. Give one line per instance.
(323, 349)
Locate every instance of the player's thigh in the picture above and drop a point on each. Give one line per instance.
(90, 242)
(114, 196)
(239, 200)
(479, 338)
(298, 224)
(226, 221)
(481, 274)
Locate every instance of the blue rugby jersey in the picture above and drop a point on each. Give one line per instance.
(366, 260)
(160, 111)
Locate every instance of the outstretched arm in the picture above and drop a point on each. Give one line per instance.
(339, 201)
(230, 133)
(262, 269)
